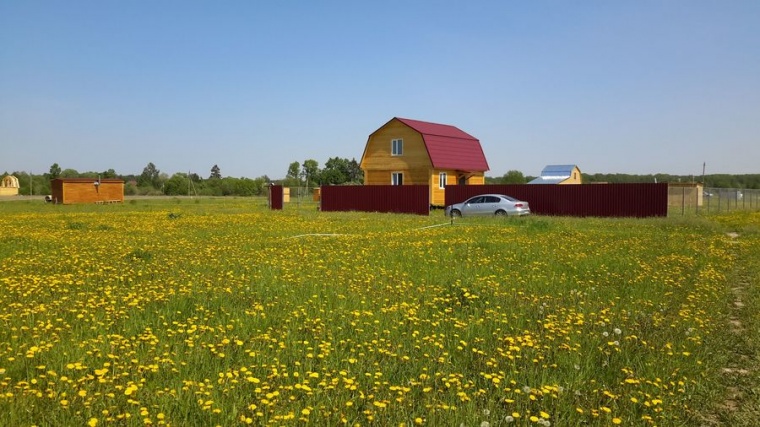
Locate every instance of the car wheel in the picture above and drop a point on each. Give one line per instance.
(456, 214)
(501, 213)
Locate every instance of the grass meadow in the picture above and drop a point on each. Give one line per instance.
(201, 312)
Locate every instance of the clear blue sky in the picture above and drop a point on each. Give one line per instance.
(613, 86)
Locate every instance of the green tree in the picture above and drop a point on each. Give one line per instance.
(110, 173)
(69, 173)
(355, 172)
(177, 185)
(513, 177)
(310, 171)
(55, 171)
(335, 171)
(293, 177)
(216, 173)
(150, 177)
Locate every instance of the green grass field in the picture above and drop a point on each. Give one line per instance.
(221, 312)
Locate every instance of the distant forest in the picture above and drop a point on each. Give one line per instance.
(750, 181)
(336, 171)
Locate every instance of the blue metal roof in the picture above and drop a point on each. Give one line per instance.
(558, 170)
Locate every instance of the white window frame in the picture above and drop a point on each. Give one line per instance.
(397, 147)
(442, 179)
(397, 178)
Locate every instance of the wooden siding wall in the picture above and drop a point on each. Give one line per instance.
(438, 195)
(478, 179)
(414, 162)
(602, 200)
(409, 199)
(87, 192)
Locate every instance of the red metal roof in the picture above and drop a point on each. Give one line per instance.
(449, 147)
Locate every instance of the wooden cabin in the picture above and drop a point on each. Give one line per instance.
(87, 190)
(559, 174)
(413, 152)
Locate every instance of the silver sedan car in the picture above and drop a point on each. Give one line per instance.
(489, 204)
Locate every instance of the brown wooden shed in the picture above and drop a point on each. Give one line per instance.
(87, 190)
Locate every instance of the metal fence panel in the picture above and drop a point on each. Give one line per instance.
(603, 200)
(712, 200)
(275, 197)
(410, 199)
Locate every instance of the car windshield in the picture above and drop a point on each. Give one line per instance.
(511, 199)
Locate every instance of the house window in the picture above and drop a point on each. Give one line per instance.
(442, 180)
(397, 178)
(397, 147)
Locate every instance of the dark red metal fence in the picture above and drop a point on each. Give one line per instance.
(410, 199)
(603, 200)
(275, 197)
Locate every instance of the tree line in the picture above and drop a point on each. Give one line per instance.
(154, 182)
(749, 181)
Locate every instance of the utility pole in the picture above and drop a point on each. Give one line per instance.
(703, 172)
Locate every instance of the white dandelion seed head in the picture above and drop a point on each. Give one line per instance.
(509, 419)
(617, 331)
(605, 334)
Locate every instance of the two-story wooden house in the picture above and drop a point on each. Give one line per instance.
(407, 152)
